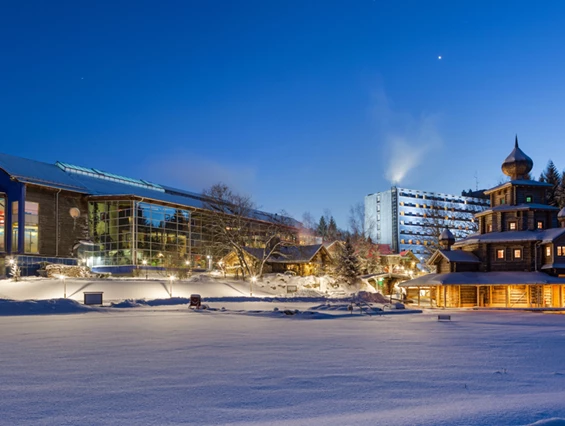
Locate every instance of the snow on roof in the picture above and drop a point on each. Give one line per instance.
(36, 172)
(519, 182)
(70, 177)
(553, 265)
(287, 254)
(483, 278)
(517, 207)
(458, 256)
(545, 236)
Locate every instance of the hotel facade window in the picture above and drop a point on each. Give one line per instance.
(560, 250)
(500, 254)
(540, 224)
(31, 227)
(512, 226)
(548, 251)
(439, 210)
(517, 253)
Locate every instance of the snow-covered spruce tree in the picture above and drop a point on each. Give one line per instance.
(15, 271)
(347, 263)
(552, 176)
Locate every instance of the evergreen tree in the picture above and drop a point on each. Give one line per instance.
(322, 229)
(332, 230)
(561, 192)
(347, 264)
(552, 176)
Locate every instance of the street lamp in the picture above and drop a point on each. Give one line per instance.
(253, 280)
(209, 262)
(144, 262)
(63, 278)
(171, 279)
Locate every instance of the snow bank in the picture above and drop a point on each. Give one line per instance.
(42, 307)
(549, 422)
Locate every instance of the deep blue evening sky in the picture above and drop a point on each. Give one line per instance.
(305, 105)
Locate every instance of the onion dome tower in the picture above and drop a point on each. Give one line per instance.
(561, 217)
(517, 165)
(446, 239)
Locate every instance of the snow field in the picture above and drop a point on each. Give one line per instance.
(169, 365)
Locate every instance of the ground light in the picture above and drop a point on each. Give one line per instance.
(172, 278)
(63, 278)
(253, 280)
(144, 262)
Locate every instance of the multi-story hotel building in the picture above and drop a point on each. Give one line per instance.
(409, 219)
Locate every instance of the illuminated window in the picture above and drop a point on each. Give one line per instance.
(500, 254)
(31, 229)
(528, 199)
(548, 251)
(402, 222)
(512, 226)
(401, 213)
(489, 227)
(402, 241)
(417, 205)
(503, 201)
(540, 224)
(402, 203)
(517, 253)
(560, 250)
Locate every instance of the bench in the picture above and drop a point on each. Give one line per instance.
(444, 317)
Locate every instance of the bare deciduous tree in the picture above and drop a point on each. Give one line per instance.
(236, 224)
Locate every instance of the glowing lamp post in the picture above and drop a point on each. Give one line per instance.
(144, 262)
(63, 279)
(172, 278)
(253, 280)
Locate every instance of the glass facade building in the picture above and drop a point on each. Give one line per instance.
(127, 232)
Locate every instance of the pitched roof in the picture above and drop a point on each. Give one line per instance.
(287, 254)
(384, 249)
(483, 278)
(520, 182)
(36, 172)
(545, 236)
(458, 256)
(95, 182)
(518, 207)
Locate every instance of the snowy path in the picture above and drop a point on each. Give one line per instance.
(171, 366)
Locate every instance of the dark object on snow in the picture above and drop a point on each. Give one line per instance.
(195, 301)
(93, 297)
(289, 312)
(444, 317)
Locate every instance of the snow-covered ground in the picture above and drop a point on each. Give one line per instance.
(249, 363)
(156, 287)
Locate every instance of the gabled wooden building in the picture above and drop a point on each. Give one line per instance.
(516, 260)
(302, 260)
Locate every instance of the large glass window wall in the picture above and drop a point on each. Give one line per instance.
(31, 228)
(130, 232)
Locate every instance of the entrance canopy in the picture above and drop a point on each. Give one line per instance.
(483, 278)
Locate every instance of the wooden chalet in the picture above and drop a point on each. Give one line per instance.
(516, 260)
(302, 260)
